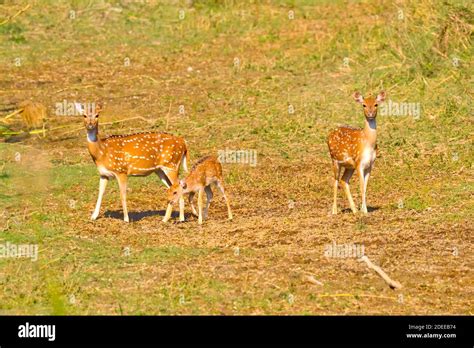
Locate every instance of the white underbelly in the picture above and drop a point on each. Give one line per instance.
(105, 172)
(368, 158)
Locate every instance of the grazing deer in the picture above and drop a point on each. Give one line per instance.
(355, 149)
(119, 156)
(205, 172)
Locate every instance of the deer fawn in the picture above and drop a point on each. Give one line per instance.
(205, 172)
(119, 156)
(355, 149)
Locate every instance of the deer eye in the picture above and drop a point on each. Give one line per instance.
(175, 192)
(376, 105)
(364, 105)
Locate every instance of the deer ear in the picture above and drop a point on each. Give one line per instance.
(381, 97)
(358, 97)
(98, 108)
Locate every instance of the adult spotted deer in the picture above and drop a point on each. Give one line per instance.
(120, 156)
(206, 171)
(354, 149)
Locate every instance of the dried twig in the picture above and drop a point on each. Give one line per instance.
(312, 280)
(168, 117)
(35, 131)
(112, 122)
(15, 15)
(392, 283)
(73, 87)
(357, 295)
(12, 114)
(146, 76)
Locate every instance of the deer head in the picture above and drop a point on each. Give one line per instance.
(176, 191)
(90, 114)
(370, 104)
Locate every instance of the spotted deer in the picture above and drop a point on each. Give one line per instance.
(120, 156)
(205, 172)
(354, 149)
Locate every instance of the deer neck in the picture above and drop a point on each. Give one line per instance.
(94, 144)
(370, 131)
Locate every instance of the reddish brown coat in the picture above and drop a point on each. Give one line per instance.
(205, 172)
(139, 154)
(355, 150)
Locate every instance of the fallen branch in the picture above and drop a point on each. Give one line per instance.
(168, 117)
(35, 131)
(312, 280)
(106, 123)
(357, 295)
(129, 119)
(12, 114)
(392, 283)
(148, 77)
(73, 87)
(15, 15)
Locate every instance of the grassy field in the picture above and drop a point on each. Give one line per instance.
(270, 76)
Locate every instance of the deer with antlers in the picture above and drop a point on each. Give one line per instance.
(205, 172)
(141, 154)
(354, 149)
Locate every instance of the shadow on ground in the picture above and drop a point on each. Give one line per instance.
(137, 216)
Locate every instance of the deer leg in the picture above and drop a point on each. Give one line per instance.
(191, 203)
(175, 179)
(169, 210)
(102, 185)
(221, 188)
(364, 179)
(166, 181)
(337, 173)
(122, 181)
(181, 208)
(171, 177)
(209, 196)
(345, 183)
(200, 194)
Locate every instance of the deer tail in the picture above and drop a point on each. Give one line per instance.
(185, 159)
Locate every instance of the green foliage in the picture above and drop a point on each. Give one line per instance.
(13, 32)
